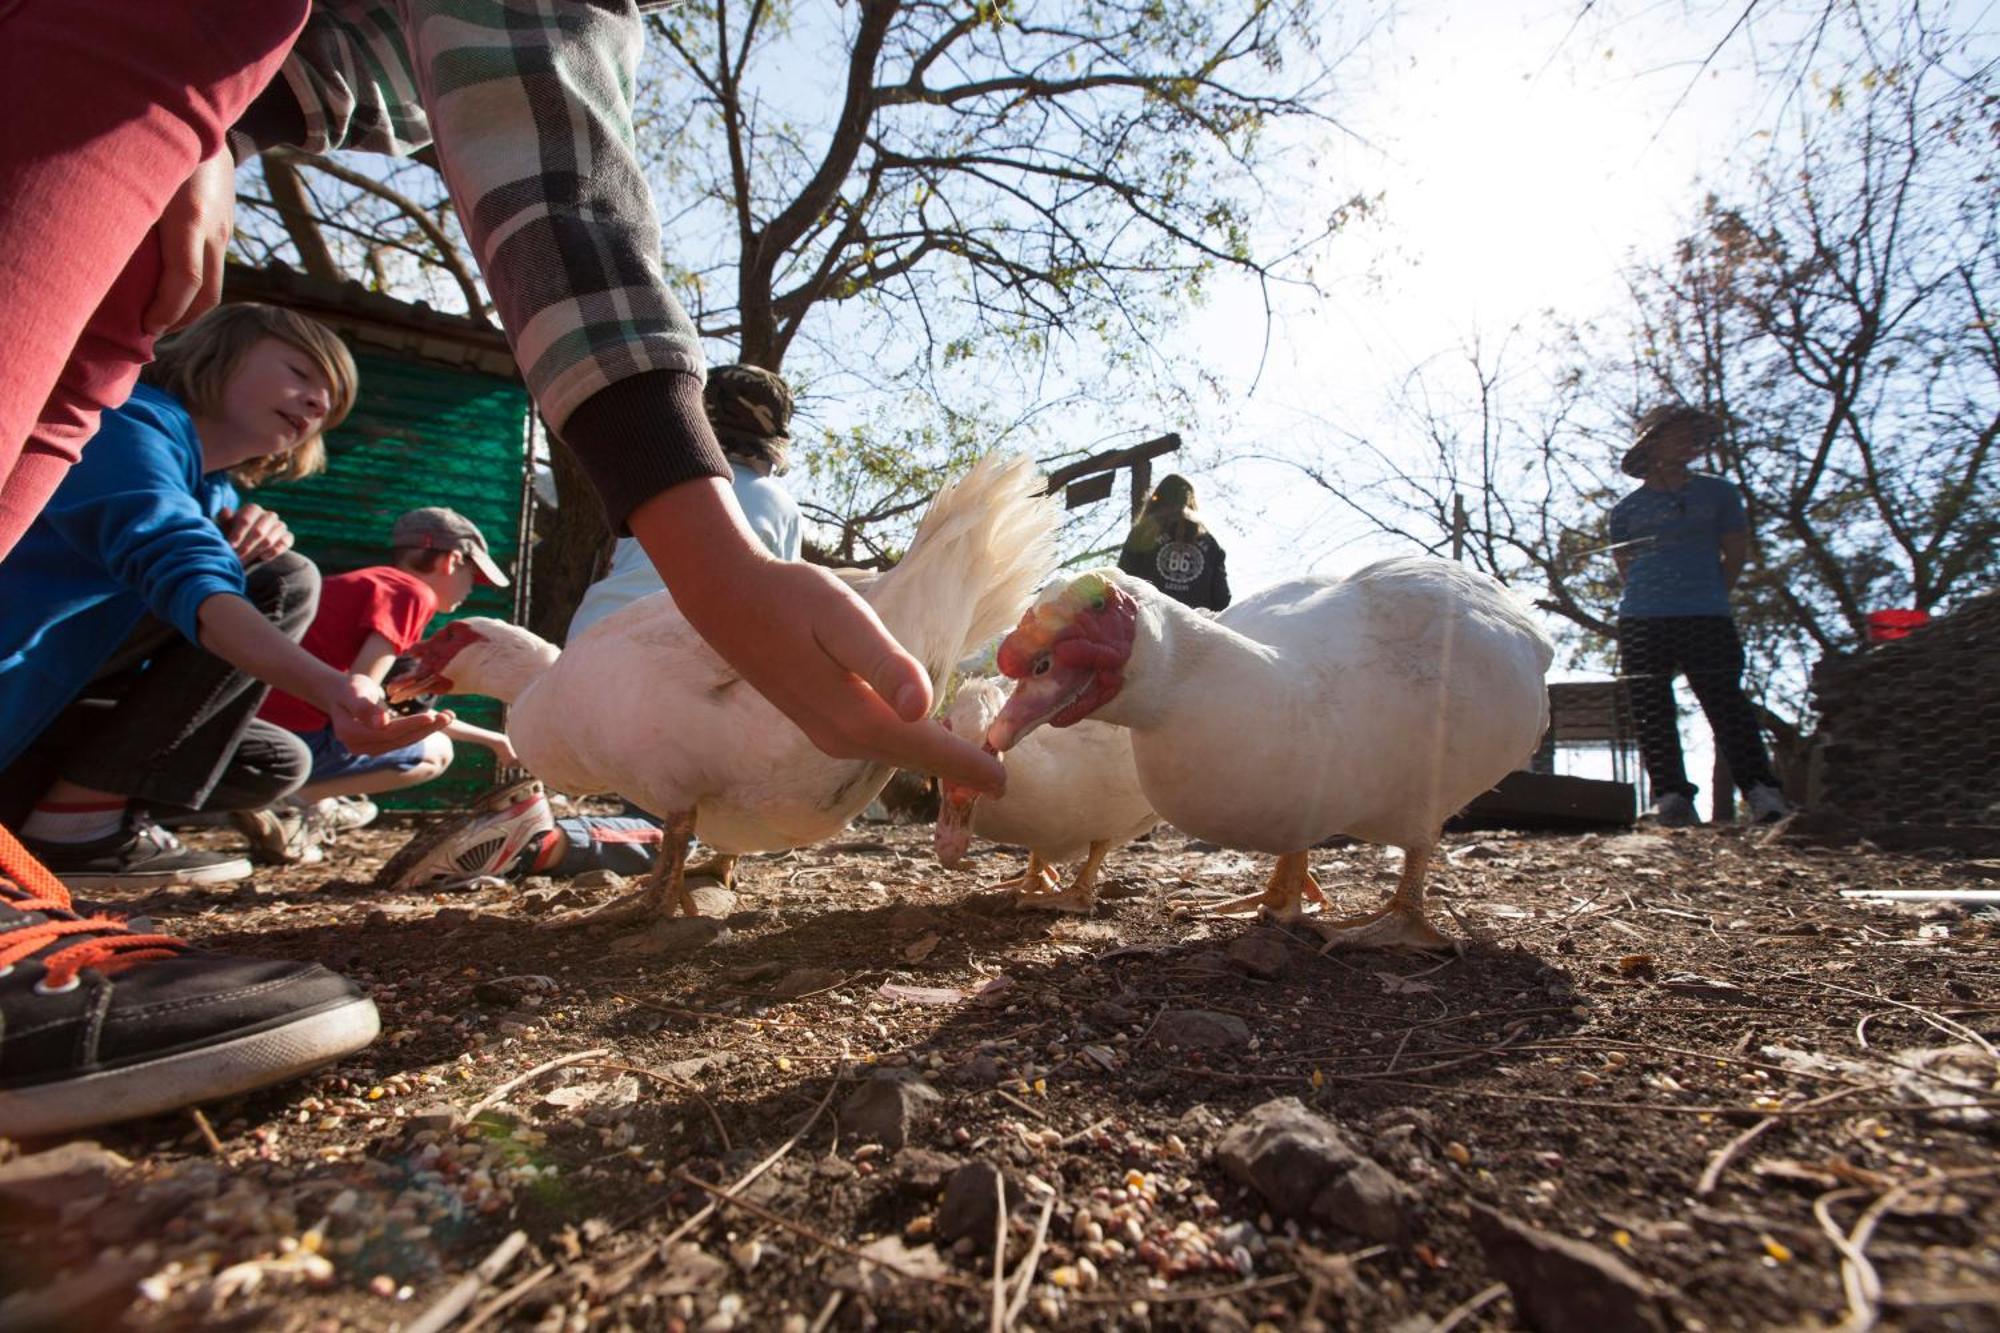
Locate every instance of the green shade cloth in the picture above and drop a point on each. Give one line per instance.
(420, 435)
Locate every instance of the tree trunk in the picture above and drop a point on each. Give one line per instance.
(572, 551)
(295, 210)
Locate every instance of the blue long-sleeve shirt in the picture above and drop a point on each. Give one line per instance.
(130, 530)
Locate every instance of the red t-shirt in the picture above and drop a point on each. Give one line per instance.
(380, 600)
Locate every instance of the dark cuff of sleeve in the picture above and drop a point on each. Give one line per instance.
(273, 119)
(645, 434)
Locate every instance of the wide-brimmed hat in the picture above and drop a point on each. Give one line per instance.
(439, 529)
(1656, 422)
(750, 408)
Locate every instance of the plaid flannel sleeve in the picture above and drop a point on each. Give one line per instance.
(528, 107)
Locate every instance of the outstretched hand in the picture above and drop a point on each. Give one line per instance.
(364, 724)
(802, 639)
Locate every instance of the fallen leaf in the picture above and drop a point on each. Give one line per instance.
(1641, 965)
(921, 949)
(1395, 985)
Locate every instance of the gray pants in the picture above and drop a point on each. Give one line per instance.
(171, 725)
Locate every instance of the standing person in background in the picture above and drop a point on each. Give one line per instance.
(1173, 550)
(1680, 541)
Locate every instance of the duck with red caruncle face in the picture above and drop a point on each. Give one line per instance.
(1374, 705)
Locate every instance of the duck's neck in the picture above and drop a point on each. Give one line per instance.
(1183, 661)
(503, 670)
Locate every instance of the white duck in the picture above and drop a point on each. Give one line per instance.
(641, 706)
(1070, 793)
(1375, 705)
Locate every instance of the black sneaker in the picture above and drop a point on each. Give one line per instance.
(99, 1023)
(142, 856)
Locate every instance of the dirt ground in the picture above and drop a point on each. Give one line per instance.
(1685, 1052)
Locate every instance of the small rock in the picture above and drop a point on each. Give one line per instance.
(451, 918)
(687, 1069)
(1262, 953)
(922, 1261)
(1200, 1030)
(1109, 1013)
(920, 1173)
(94, 1297)
(805, 981)
(540, 902)
(45, 1181)
(438, 1117)
(711, 899)
(1305, 1168)
(377, 919)
(909, 922)
(887, 1107)
(691, 1268)
(971, 1203)
(598, 879)
(668, 939)
(1566, 1286)
(978, 1071)
(124, 1218)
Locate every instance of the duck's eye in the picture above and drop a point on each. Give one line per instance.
(1042, 665)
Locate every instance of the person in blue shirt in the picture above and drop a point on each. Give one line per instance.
(1680, 541)
(751, 410)
(147, 609)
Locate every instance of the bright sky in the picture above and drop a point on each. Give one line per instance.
(1521, 161)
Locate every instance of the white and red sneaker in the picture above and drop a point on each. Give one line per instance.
(486, 840)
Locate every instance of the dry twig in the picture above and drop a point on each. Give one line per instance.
(1024, 1276)
(1719, 1163)
(453, 1303)
(499, 1094)
(1469, 1307)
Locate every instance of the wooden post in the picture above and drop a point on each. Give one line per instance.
(1142, 484)
(1722, 796)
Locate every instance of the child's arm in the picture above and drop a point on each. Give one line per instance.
(375, 658)
(496, 741)
(238, 633)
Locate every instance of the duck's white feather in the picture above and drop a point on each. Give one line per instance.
(1066, 787)
(1375, 705)
(640, 705)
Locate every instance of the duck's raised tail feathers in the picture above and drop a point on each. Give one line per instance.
(984, 546)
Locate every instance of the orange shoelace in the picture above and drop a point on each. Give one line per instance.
(115, 948)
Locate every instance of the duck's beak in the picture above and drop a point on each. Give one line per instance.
(409, 678)
(1035, 700)
(953, 837)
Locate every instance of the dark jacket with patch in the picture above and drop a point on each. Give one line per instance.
(1182, 559)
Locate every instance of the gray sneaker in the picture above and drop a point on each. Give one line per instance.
(1767, 804)
(142, 856)
(1672, 810)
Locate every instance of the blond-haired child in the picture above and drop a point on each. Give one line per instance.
(148, 609)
